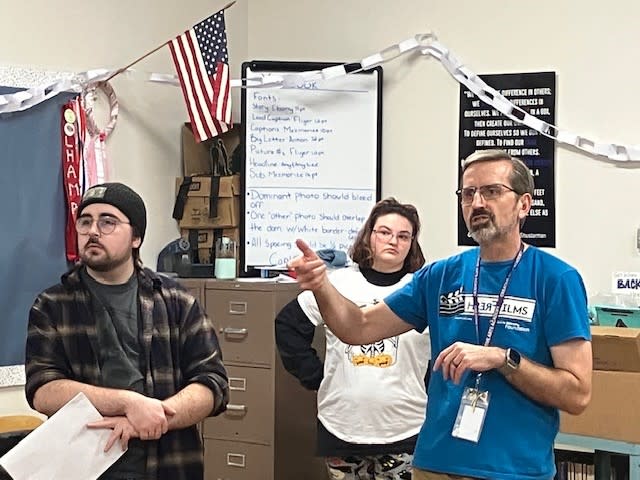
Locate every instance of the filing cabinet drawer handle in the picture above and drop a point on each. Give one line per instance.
(235, 331)
(235, 460)
(237, 308)
(236, 408)
(238, 384)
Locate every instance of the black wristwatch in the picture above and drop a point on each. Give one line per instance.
(511, 362)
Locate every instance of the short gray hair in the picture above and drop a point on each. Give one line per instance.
(520, 177)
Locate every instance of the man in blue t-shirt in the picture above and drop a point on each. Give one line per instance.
(509, 329)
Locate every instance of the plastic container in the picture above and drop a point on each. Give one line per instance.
(225, 263)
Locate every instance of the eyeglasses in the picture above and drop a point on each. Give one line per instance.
(106, 225)
(488, 192)
(387, 235)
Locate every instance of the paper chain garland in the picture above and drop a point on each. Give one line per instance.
(425, 44)
(86, 82)
(25, 99)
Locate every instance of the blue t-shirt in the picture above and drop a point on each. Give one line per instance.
(545, 305)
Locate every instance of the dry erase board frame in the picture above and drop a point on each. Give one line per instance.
(312, 162)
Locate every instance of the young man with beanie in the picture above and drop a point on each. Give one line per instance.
(136, 344)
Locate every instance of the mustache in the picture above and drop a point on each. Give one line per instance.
(481, 211)
(93, 241)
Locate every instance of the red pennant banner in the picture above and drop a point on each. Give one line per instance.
(72, 139)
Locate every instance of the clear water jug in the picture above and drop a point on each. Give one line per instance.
(225, 264)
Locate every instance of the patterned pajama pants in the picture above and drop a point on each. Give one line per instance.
(377, 467)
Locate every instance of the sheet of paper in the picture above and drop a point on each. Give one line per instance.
(63, 447)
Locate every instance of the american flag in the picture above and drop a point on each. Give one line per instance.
(201, 59)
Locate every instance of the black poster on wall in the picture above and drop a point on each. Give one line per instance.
(482, 127)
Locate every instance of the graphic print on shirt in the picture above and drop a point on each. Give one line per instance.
(516, 312)
(381, 354)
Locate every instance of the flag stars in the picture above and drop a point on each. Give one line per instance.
(212, 40)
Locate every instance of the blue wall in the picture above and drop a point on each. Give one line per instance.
(32, 216)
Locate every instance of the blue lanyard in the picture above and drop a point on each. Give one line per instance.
(499, 302)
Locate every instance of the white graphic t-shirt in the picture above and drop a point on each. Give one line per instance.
(370, 393)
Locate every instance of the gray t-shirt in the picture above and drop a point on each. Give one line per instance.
(115, 309)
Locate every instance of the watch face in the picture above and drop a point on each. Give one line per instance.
(514, 357)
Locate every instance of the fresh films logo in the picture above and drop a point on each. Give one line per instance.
(452, 303)
(513, 308)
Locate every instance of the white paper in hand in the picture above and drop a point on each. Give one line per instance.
(63, 447)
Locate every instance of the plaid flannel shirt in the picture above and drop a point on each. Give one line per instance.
(178, 344)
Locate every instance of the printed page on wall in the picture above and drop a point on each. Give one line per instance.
(483, 128)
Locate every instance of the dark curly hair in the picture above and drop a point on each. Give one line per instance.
(361, 252)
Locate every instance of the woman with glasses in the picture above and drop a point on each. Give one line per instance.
(371, 398)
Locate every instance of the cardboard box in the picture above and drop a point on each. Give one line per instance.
(196, 157)
(613, 412)
(196, 209)
(616, 348)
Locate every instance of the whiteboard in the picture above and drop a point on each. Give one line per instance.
(312, 162)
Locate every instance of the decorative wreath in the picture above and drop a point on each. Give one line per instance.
(90, 96)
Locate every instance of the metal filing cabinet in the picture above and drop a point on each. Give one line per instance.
(269, 429)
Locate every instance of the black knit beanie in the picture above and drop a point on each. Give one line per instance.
(121, 197)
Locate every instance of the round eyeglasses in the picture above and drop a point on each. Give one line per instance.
(106, 225)
(488, 192)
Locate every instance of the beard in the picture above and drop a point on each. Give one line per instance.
(486, 230)
(104, 262)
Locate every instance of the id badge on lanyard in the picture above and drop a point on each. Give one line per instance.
(475, 401)
(471, 414)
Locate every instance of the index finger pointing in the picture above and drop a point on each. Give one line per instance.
(306, 250)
